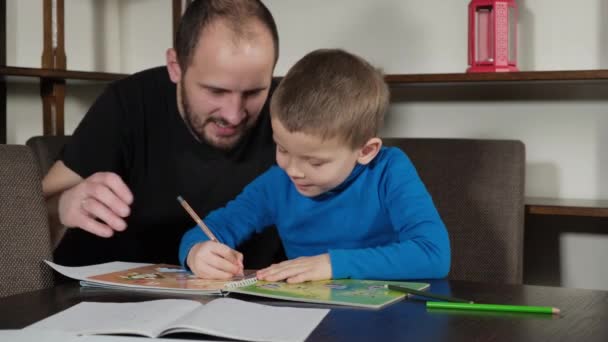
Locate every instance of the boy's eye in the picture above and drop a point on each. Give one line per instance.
(280, 149)
(316, 163)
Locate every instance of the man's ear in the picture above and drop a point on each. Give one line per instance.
(369, 151)
(175, 72)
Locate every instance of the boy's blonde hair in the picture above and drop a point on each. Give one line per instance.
(331, 93)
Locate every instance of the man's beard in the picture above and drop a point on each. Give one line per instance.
(197, 128)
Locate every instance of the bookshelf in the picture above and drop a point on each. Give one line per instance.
(53, 72)
(53, 75)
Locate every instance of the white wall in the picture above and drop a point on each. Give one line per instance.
(147, 32)
(563, 125)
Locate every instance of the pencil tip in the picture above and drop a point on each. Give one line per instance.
(556, 311)
(179, 198)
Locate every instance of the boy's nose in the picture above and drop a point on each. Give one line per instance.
(292, 170)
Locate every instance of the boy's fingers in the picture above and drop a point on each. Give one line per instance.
(280, 276)
(226, 259)
(229, 254)
(213, 260)
(222, 265)
(265, 271)
(237, 258)
(280, 272)
(206, 269)
(299, 278)
(214, 273)
(240, 258)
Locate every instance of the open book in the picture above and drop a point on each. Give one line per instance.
(222, 317)
(21, 335)
(168, 278)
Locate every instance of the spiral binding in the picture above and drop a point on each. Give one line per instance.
(241, 283)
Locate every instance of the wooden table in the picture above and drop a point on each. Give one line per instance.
(584, 314)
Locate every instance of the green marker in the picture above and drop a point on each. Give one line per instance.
(493, 307)
(426, 294)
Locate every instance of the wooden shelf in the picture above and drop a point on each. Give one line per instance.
(54, 74)
(392, 79)
(522, 76)
(569, 207)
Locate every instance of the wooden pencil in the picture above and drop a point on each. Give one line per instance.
(197, 219)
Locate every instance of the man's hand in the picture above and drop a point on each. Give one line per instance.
(298, 270)
(97, 204)
(213, 260)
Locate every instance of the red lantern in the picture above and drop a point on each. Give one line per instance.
(492, 36)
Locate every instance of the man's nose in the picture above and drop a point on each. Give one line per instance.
(234, 111)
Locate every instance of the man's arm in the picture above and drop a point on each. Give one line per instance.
(97, 204)
(54, 183)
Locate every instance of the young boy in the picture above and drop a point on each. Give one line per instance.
(344, 206)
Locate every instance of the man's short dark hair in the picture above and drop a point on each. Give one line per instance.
(201, 13)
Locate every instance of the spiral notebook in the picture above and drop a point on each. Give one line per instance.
(150, 277)
(349, 292)
(174, 279)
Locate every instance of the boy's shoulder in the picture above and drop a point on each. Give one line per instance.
(390, 161)
(272, 180)
(391, 154)
(273, 174)
(274, 170)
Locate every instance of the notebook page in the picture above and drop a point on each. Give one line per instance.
(143, 318)
(56, 336)
(237, 319)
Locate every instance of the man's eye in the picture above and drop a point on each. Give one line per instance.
(216, 91)
(252, 93)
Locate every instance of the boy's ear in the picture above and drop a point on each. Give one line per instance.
(369, 151)
(175, 71)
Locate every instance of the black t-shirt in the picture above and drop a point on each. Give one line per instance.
(135, 130)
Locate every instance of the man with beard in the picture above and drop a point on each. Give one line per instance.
(197, 127)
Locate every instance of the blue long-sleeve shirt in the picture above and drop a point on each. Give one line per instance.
(380, 223)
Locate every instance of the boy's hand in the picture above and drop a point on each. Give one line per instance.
(213, 260)
(298, 270)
